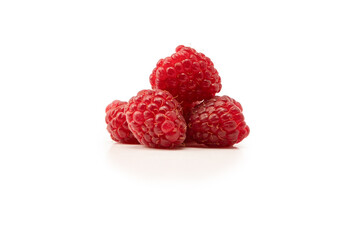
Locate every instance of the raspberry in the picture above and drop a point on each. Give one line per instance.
(116, 123)
(218, 122)
(156, 120)
(188, 75)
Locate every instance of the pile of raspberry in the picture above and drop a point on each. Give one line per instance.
(181, 109)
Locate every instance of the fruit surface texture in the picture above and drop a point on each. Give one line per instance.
(156, 119)
(187, 74)
(218, 122)
(116, 123)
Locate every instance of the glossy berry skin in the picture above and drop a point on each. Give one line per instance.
(156, 120)
(218, 122)
(188, 75)
(116, 123)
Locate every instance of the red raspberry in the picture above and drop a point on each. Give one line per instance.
(116, 123)
(188, 75)
(156, 120)
(218, 122)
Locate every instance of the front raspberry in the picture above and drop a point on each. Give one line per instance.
(188, 75)
(218, 122)
(156, 120)
(116, 123)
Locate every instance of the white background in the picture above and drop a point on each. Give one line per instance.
(293, 65)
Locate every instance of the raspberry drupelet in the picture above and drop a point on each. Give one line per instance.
(218, 122)
(156, 120)
(116, 123)
(187, 74)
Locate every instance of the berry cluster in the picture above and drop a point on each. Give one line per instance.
(181, 107)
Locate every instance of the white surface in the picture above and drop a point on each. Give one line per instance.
(293, 65)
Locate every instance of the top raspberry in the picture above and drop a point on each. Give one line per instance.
(188, 75)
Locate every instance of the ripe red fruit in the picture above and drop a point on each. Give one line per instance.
(116, 123)
(156, 120)
(188, 75)
(218, 122)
